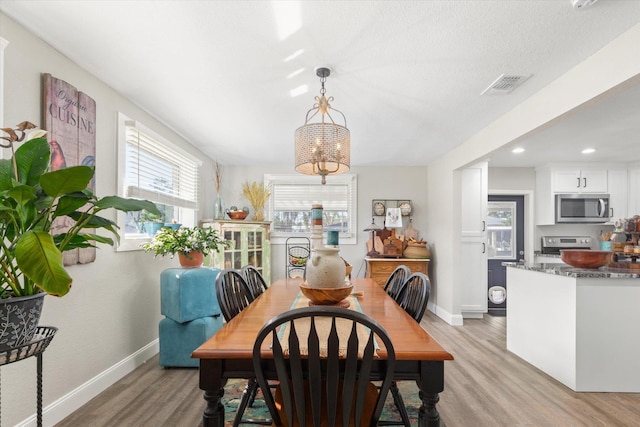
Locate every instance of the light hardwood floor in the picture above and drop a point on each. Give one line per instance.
(484, 386)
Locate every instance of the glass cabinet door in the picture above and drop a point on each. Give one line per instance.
(249, 245)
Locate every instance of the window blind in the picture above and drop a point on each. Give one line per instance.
(296, 198)
(156, 172)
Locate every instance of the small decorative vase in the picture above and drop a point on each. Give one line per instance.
(218, 208)
(191, 259)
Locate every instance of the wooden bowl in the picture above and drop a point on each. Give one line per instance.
(326, 296)
(585, 258)
(239, 215)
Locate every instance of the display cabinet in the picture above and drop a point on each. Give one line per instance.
(249, 245)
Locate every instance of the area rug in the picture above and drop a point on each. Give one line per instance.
(234, 388)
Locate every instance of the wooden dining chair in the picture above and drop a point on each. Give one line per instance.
(323, 380)
(393, 285)
(413, 298)
(255, 281)
(414, 295)
(234, 295)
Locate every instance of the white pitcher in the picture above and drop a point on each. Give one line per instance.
(325, 269)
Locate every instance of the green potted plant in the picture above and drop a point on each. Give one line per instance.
(191, 244)
(151, 222)
(31, 197)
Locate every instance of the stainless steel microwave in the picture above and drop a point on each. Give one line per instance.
(582, 208)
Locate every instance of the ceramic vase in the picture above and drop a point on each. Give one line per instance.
(19, 317)
(325, 268)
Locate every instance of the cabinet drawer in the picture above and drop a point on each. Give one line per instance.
(380, 270)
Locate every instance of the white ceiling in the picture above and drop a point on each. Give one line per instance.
(407, 74)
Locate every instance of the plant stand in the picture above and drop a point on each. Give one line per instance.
(37, 346)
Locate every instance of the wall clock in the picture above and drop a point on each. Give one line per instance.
(378, 208)
(405, 208)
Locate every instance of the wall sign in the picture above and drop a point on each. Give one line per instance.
(70, 119)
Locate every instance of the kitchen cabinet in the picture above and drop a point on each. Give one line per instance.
(579, 180)
(250, 244)
(633, 207)
(379, 269)
(551, 180)
(618, 194)
(472, 279)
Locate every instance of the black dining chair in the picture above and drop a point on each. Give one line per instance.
(394, 283)
(255, 281)
(234, 295)
(323, 380)
(414, 295)
(413, 298)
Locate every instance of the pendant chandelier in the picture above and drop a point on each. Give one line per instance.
(323, 147)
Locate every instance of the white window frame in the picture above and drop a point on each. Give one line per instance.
(351, 180)
(133, 243)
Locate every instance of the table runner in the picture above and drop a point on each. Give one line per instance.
(323, 327)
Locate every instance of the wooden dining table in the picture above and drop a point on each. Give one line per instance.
(228, 353)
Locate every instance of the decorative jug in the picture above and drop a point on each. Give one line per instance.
(325, 268)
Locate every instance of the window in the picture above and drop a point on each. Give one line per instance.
(289, 207)
(150, 167)
(501, 217)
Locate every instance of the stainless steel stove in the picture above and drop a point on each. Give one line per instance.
(551, 245)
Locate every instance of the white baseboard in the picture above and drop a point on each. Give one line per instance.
(67, 404)
(453, 320)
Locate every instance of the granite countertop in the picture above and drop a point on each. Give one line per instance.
(567, 270)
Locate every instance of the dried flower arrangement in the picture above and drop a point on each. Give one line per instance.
(257, 194)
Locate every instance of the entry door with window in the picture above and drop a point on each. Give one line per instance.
(505, 243)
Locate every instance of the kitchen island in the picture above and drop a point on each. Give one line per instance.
(579, 326)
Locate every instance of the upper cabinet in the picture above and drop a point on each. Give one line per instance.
(579, 180)
(634, 191)
(619, 194)
(552, 180)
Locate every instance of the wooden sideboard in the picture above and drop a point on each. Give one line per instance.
(379, 269)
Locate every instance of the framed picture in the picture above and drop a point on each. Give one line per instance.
(378, 208)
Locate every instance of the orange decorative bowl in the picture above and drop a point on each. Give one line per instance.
(585, 258)
(237, 214)
(326, 296)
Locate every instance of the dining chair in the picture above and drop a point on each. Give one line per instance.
(255, 281)
(394, 283)
(413, 295)
(234, 295)
(323, 379)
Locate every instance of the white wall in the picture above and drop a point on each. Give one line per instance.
(613, 65)
(113, 309)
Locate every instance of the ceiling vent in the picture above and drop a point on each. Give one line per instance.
(582, 4)
(505, 84)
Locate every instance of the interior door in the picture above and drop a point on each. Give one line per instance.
(505, 243)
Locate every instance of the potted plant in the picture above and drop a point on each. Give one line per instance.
(191, 244)
(151, 222)
(31, 197)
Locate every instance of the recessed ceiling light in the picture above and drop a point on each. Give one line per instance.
(517, 150)
(588, 151)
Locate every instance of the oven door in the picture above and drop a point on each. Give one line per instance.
(582, 208)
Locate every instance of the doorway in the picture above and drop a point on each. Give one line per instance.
(505, 243)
